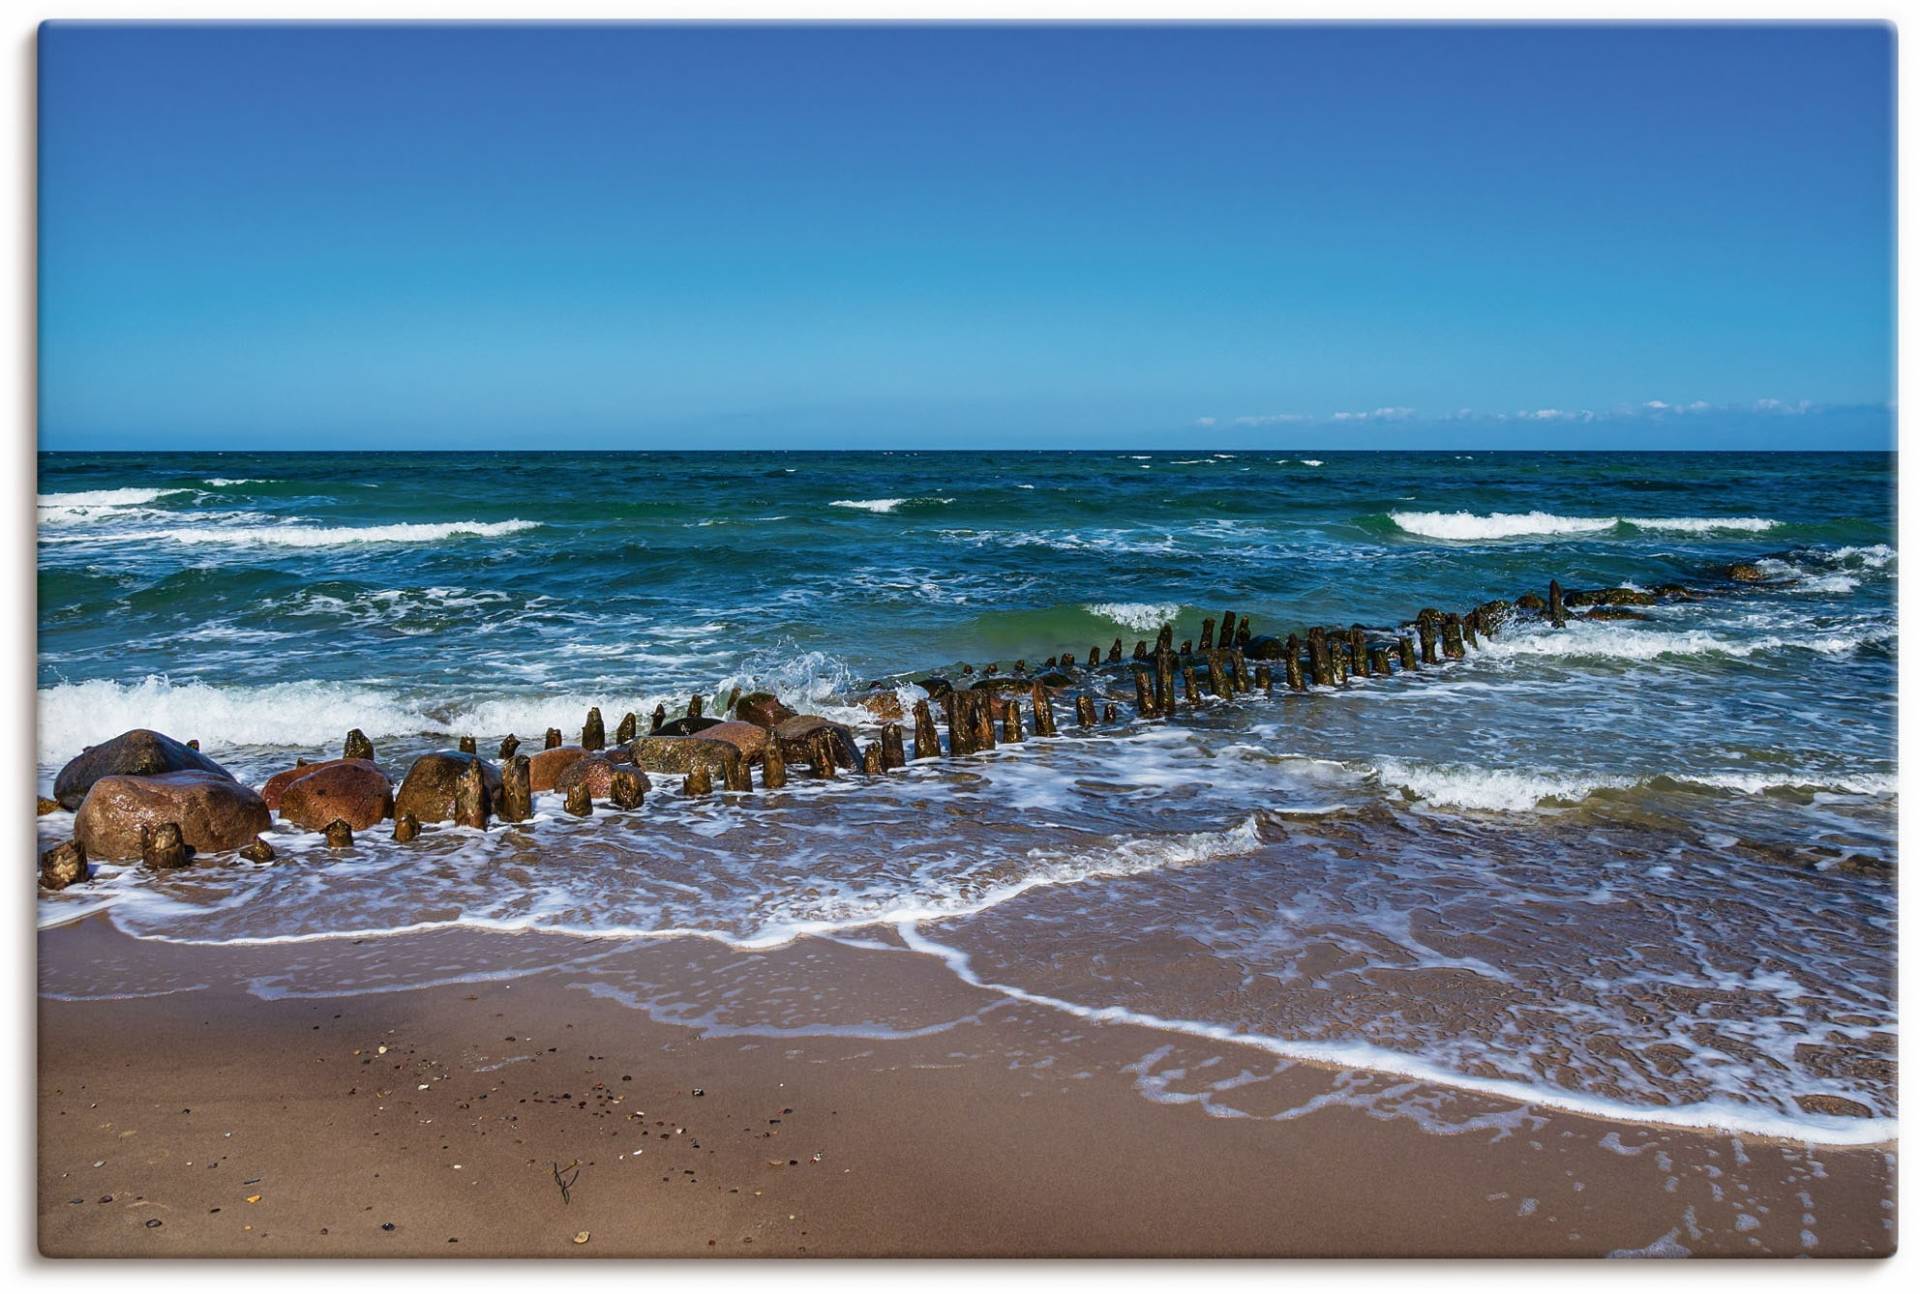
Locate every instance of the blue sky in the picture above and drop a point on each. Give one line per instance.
(481, 237)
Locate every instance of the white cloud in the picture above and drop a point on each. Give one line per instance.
(1388, 413)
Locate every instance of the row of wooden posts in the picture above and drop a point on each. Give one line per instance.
(988, 713)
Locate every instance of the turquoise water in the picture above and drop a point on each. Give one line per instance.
(1659, 794)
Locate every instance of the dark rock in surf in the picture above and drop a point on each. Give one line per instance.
(797, 734)
(578, 802)
(163, 847)
(140, 752)
(593, 733)
(763, 709)
(428, 791)
(357, 747)
(257, 852)
(596, 773)
(627, 788)
(406, 828)
(339, 834)
(687, 726)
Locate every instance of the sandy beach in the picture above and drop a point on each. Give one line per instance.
(441, 1121)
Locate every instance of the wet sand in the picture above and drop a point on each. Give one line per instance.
(443, 1120)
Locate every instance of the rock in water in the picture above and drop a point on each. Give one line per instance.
(593, 734)
(357, 747)
(685, 726)
(596, 773)
(579, 803)
(516, 790)
(140, 752)
(427, 791)
(796, 737)
(258, 852)
(339, 834)
(352, 790)
(1746, 573)
(870, 759)
(46, 806)
(544, 770)
(406, 827)
(213, 812)
(473, 797)
(628, 788)
(763, 709)
(63, 865)
(750, 739)
(162, 847)
(893, 747)
(684, 754)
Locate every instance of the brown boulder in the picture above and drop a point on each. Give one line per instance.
(427, 790)
(545, 768)
(684, 754)
(750, 739)
(140, 752)
(276, 786)
(1823, 1103)
(595, 772)
(1610, 598)
(354, 791)
(215, 812)
(762, 708)
(1615, 613)
(883, 705)
(797, 735)
(1746, 573)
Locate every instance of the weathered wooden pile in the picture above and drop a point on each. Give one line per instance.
(144, 795)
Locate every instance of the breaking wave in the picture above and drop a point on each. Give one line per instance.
(1466, 526)
(1138, 616)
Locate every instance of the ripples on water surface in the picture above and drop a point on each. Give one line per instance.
(1632, 866)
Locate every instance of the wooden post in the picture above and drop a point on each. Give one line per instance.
(696, 707)
(468, 747)
(1450, 637)
(554, 739)
(926, 741)
(357, 747)
(1357, 644)
(1227, 619)
(1263, 678)
(773, 765)
(699, 781)
(1164, 641)
(1381, 662)
(1407, 661)
(733, 774)
(629, 728)
(1111, 714)
(470, 797)
(1469, 624)
(1240, 676)
(1011, 731)
(406, 828)
(593, 734)
(1043, 722)
(516, 789)
(1083, 704)
(870, 760)
(893, 748)
(626, 791)
(1163, 681)
(1192, 685)
(820, 754)
(508, 745)
(1113, 653)
(1143, 701)
(1424, 624)
(959, 724)
(1296, 680)
(659, 719)
(1556, 605)
(1320, 656)
(339, 834)
(982, 708)
(1206, 634)
(579, 803)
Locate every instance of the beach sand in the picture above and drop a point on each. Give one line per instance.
(433, 1121)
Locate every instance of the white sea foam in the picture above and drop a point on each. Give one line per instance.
(1466, 526)
(315, 536)
(1724, 1115)
(883, 505)
(218, 481)
(78, 507)
(1512, 790)
(1612, 641)
(1138, 616)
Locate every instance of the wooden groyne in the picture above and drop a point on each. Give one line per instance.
(144, 795)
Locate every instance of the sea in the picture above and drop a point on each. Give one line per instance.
(1640, 869)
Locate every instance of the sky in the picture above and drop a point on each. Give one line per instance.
(399, 237)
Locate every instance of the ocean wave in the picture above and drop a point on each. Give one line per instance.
(1511, 791)
(219, 481)
(1467, 526)
(313, 536)
(884, 505)
(77, 507)
(1628, 642)
(1138, 616)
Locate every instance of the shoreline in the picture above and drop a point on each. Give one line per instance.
(962, 1123)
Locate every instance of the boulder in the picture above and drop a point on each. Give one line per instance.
(139, 753)
(750, 739)
(595, 772)
(1615, 613)
(1264, 647)
(427, 790)
(215, 813)
(274, 787)
(682, 754)
(1530, 602)
(46, 806)
(796, 737)
(1746, 573)
(354, 791)
(1837, 1106)
(545, 768)
(686, 726)
(884, 705)
(1610, 598)
(762, 708)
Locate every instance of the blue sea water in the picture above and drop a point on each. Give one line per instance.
(1546, 866)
